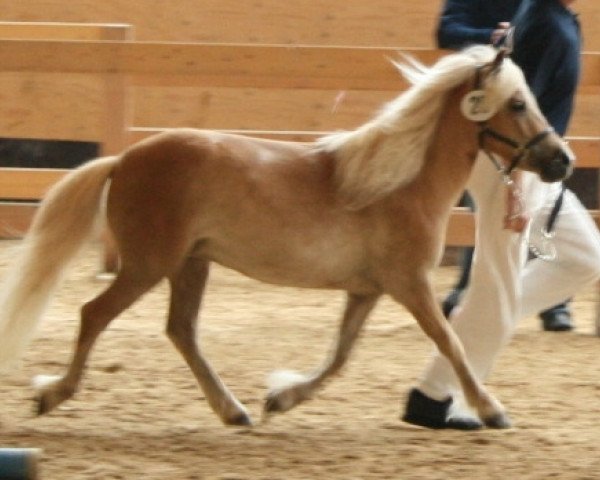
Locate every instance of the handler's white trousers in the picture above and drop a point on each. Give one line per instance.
(504, 287)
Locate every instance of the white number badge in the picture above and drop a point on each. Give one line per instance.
(474, 106)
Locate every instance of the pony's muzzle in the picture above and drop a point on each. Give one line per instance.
(558, 165)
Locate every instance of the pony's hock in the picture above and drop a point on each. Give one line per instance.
(344, 213)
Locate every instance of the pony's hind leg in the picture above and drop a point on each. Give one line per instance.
(95, 317)
(419, 299)
(187, 287)
(288, 389)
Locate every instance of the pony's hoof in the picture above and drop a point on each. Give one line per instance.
(42, 406)
(241, 420)
(47, 402)
(48, 396)
(273, 404)
(499, 420)
(463, 423)
(280, 402)
(287, 389)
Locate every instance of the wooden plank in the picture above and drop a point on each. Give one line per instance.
(15, 219)
(62, 31)
(461, 228)
(52, 106)
(587, 150)
(590, 69)
(27, 183)
(241, 65)
(356, 22)
(584, 121)
(353, 22)
(222, 65)
(118, 102)
(377, 22)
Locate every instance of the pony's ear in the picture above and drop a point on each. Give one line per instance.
(494, 66)
(497, 62)
(505, 48)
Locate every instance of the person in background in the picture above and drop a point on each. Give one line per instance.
(465, 22)
(547, 47)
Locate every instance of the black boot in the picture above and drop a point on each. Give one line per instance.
(426, 412)
(557, 319)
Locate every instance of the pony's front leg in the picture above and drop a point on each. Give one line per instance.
(288, 389)
(419, 299)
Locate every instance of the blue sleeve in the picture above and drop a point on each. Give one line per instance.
(457, 26)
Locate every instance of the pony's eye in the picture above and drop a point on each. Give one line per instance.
(518, 106)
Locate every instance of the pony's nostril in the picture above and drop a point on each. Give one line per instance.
(565, 159)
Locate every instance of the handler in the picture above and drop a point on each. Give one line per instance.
(464, 22)
(547, 47)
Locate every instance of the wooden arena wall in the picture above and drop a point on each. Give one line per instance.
(379, 23)
(382, 23)
(292, 68)
(73, 104)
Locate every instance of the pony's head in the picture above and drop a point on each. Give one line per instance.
(511, 123)
(390, 150)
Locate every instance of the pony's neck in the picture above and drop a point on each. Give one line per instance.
(451, 155)
(388, 152)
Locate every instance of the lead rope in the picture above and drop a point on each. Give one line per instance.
(517, 196)
(547, 250)
(507, 179)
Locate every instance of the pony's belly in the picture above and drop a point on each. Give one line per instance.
(328, 268)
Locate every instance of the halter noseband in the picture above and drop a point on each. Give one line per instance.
(520, 148)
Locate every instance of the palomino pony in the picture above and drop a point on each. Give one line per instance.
(363, 211)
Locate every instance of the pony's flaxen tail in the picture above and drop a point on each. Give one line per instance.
(64, 221)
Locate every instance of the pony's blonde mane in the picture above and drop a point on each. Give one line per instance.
(389, 151)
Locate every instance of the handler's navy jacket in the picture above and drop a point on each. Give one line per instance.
(469, 22)
(547, 46)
